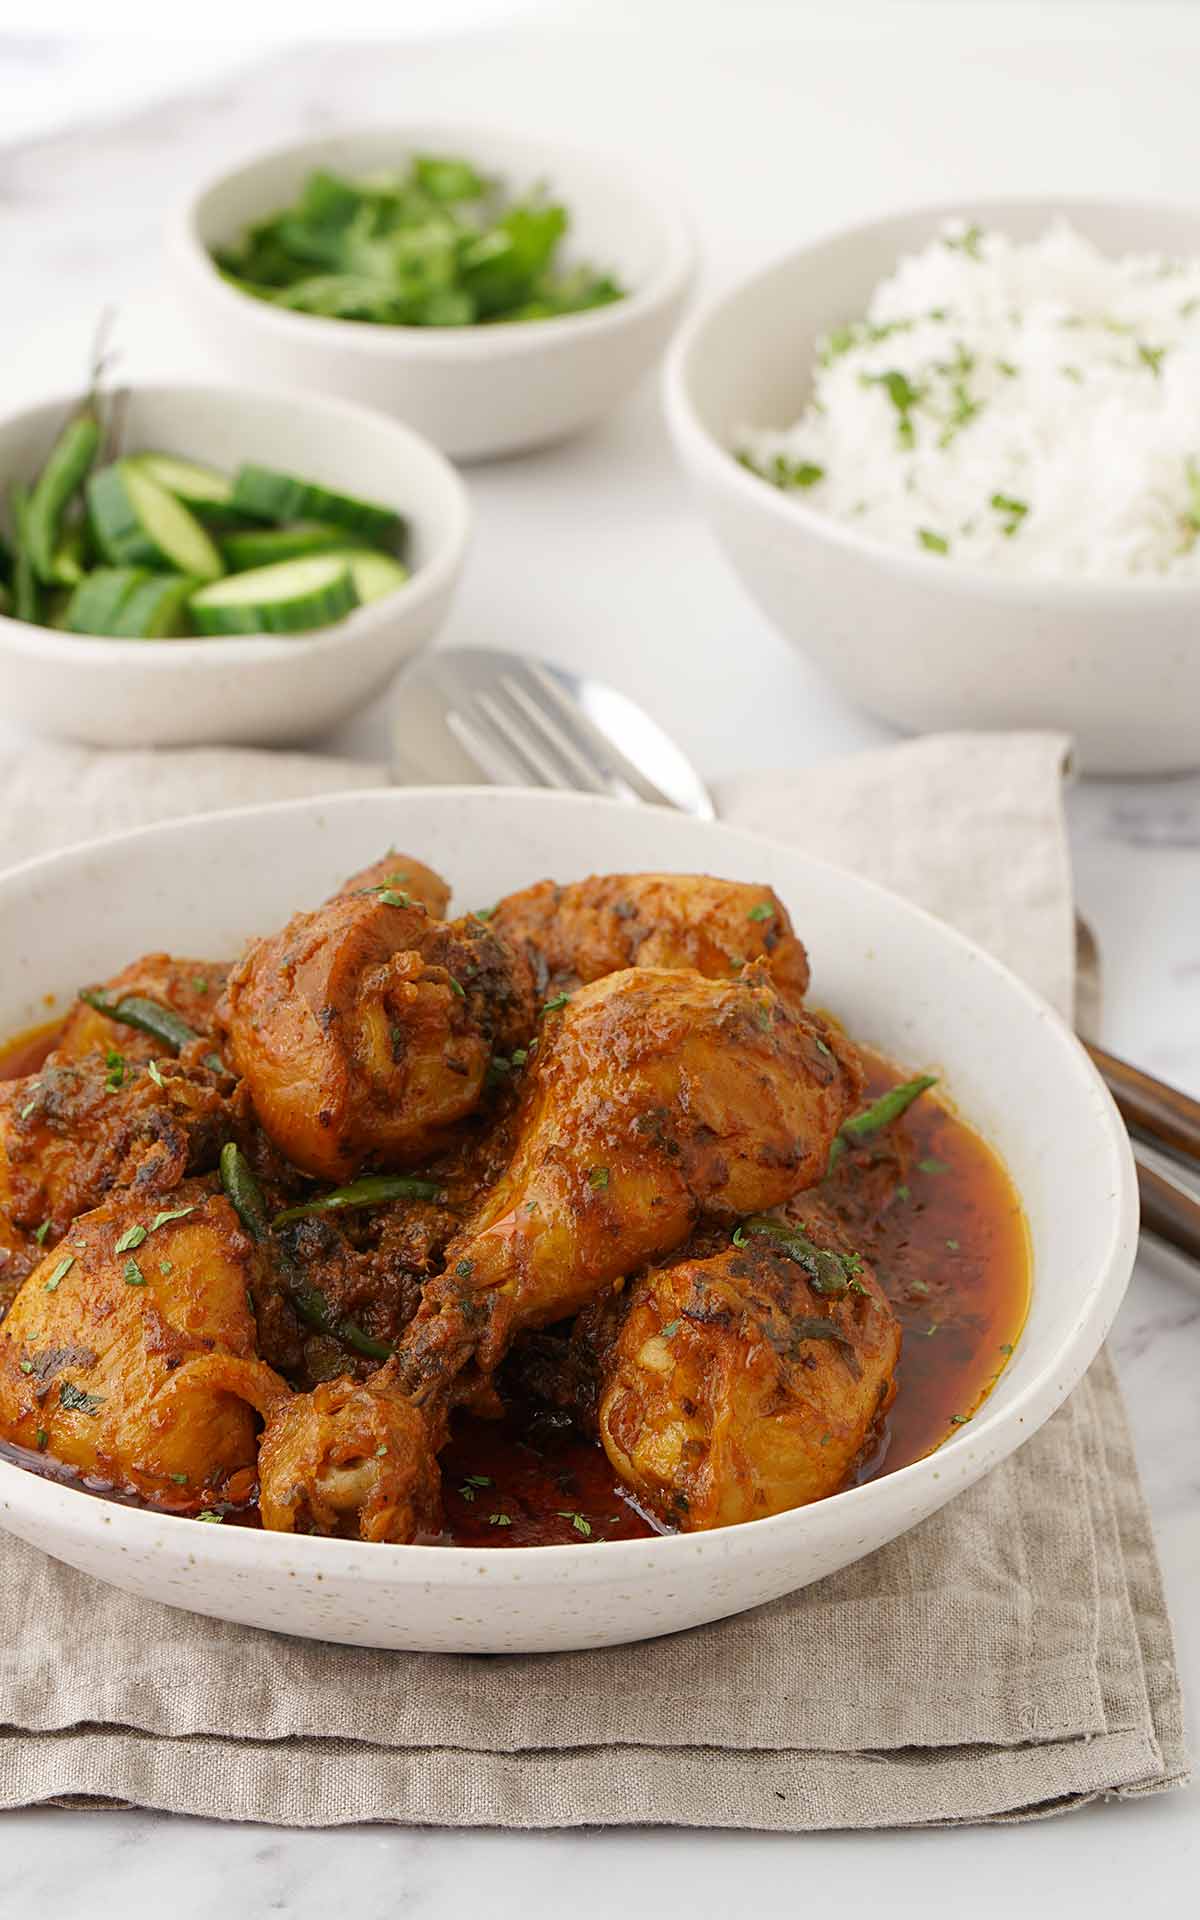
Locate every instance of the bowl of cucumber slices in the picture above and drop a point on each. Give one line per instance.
(182, 565)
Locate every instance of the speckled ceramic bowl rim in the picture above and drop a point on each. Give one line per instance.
(993, 1432)
(446, 345)
(221, 653)
(720, 464)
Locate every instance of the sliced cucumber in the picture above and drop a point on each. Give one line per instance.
(264, 546)
(188, 480)
(293, 597)
(138, 523)
(374, 574)
(157, 609)
(97, 602)
(281, 497)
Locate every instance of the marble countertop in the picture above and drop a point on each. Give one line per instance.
(772, 120)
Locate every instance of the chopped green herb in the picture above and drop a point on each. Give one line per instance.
(60, 1273)
(168, 1266)
(1013, 509)
(520, 1056)
(131, 1238)
(1007, 1347)
(933, 542)
(214, 1062)
(214, 1519)
(76, 1400)
(27, 1366)
(28, 1108)
(959, 1419)
(499, 1520)
(904, 1192)
(391, 898)
(1152, 357)
(41, 1232)
(478, 1480)
(762, 911)
(41, 1438)
(199, 983)
(381, 1451)
(134, 1277)
(155, 1072)
(464, 1269)
(180, 1479)
(670, 1330)
(930, 1165)
(115, 1077)
(466, 1493)
(919, 1287)
(739, 1236)
(458, 988)
(953, 1245)
(969, 241)
(559, 1000)
(822, 1046)
(787, 475)
(598, 1178)
(168, 1214)
(484, 913)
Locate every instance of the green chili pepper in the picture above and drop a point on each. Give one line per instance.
(132, 1010)
(246, 1198)
(881, 1113)
(243, 1190)
(372, 1191)
(313, 1307)
(829, 1273)
(64, 473)
(26, 599)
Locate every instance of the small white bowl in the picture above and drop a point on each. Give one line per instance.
(918, 641)
(902, 982)
(476, 391)
(258, 689)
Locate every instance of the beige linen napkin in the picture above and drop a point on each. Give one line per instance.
(1010, 1657)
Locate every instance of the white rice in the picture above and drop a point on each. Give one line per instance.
(1033, 409)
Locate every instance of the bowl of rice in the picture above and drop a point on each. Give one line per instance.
(955, 457)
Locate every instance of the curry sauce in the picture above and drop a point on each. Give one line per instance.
(928, 1205)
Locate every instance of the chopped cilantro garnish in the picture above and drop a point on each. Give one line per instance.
(155, 1072)
(598, 1178)
(134, 1277)
(762, 911)
(60, 1273)
(76, 1400)
(933, 542)
(559, 1000)
(131, 1238)
(499, 1520)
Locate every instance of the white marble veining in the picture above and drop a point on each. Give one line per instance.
(773, 121)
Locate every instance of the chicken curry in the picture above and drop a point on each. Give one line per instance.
(568, 1220)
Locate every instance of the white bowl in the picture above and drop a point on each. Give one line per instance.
(476, 391)
(916, 640)
(255, 689)
(901, 980)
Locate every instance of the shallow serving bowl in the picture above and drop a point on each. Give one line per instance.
(920, 641)
(254, 689)
(901, 980)
(476, 391)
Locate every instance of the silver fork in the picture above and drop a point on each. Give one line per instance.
(523, 722)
